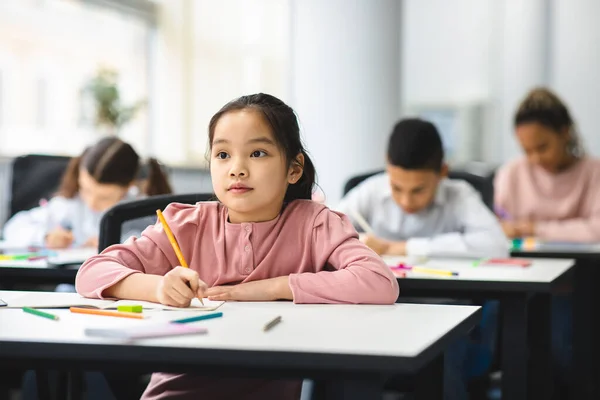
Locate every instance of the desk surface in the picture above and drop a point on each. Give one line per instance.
(541, 276)
(580, 251)
(400, 337)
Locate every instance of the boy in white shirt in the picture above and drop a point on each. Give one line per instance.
(415, 210)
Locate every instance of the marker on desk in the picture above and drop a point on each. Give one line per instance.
(39, 313)
(272, 323)
(197, 318)
(173, 242)
(107, 313)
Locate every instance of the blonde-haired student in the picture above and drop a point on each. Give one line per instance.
(553, 192)
(102, 176)
(264, 240)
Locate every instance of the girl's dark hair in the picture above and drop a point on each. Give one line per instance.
(543, 106)
(112, 161)
(284, 125)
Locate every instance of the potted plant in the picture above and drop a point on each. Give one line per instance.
(110, 113)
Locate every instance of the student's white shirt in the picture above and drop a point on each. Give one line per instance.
(29, 228)
(456, 223)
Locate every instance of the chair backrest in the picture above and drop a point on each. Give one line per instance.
(113, 220)
(35, 177)
(356, 180)
(484, 185)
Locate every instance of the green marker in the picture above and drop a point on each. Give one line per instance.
(131, 308)
(40, 313)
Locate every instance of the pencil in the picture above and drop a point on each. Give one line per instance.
(362, 222)
(107, 313)
(272, 323)
(173, 242)
(40, 313)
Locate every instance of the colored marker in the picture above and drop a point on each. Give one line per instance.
(271, 324)
(39, 313)
(198, 318)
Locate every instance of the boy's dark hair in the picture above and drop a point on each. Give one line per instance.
(112, 161)
(543, 106)
(284, 125)
(415, 144)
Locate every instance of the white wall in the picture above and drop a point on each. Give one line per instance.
(476, 51)
(576, 64)
(345, 84)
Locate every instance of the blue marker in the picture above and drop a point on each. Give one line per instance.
(198, 318)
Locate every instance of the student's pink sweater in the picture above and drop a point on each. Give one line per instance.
(317, 248)
(564, 206)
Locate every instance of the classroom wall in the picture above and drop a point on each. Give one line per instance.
(495, 51)
(576, 64)
(483, 51)
(345, 84)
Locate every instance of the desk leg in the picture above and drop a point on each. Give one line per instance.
(429, 383)
(75, 381)
(42, 380)
(585, 314)
(540, 357)
(348, 390)
(514, 346)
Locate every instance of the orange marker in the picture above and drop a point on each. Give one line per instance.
(107, 313)
(173, 242)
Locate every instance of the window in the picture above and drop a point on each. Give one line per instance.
(49, 50)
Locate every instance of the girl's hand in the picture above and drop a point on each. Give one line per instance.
(59, 238)
(264, 290)
(91, 242)
(526, 228)
(179, 286)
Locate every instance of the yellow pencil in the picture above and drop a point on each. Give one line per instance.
(434, 271)
(173, 242)
(176, 248)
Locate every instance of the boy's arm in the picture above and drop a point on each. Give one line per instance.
(481, 234)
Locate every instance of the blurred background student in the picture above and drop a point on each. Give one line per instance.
(104, 175)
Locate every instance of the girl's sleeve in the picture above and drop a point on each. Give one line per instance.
(350, 272)
(152, 253)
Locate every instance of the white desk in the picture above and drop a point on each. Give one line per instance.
(542, 275)
(525, 304)
(362, 343)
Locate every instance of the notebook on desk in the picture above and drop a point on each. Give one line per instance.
(66, 300)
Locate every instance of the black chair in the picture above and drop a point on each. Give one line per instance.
(484, 185)
(113, 220)
(35, 177)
